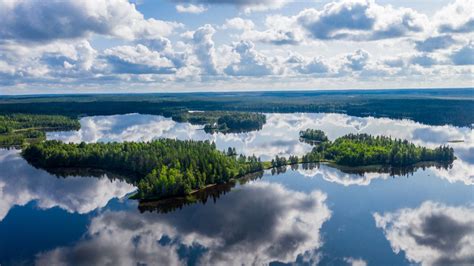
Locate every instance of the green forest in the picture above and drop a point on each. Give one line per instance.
(222, 121)
(163, 167)
(433, 107)
(313, 135)
(363, 149)
(20, 129)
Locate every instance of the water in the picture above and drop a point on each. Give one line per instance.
(311, 215)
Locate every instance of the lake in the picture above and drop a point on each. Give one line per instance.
(305, 215)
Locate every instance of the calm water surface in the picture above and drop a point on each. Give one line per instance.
(305, 215)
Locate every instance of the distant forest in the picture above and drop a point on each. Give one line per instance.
(433, 107)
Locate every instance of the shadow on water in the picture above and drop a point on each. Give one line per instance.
(201, 196)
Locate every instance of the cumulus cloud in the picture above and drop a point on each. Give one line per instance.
(275, 229)
(457, 17)
(38, 21)
(280, 30)
(424, 60)
(435, 43)
(190, 8)
(360, 20)
(246, 5)
(464, 56)
(138, 60)
(239, 24)
(432, 234)
(204, 49)
(304, 65)
(250, 62)
(357, 61)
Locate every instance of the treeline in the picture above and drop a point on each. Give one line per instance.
(163, 167)
(363, 149)
(18, 129)
(439, 107)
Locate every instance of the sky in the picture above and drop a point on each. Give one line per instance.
(119, 46)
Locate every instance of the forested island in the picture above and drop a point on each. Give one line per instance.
(223, 121)
(363, 149)
(162, 168)
(313, 135)
(21, 129)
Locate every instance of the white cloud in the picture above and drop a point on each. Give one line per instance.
(239, 24)
(280, 30)
(246, 5)
(357, 61)
(204, 49)
(360, 20)
(304, 65)
(457, 17)
(432, 234)
(435, 43)
(464, 56)
(250, 62)
(38, 21)
(424, 60)
(190, 8)
(138, 60)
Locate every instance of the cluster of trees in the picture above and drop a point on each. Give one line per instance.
(163, 167)
(313, 135)
(220, 121)
(363, 149)
(235, 122)
(18, 129)
(279, 162)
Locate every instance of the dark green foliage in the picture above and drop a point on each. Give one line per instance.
(163, 167)
(18, 129)
(314, 135)
(363, 149)
(27, 121)
(279, 161)
(235, 122)
(434, 107)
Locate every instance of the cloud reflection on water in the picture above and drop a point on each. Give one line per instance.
(432, 234)
(20, 183)
(255, 224)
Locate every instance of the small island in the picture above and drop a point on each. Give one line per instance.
(364, 149)
(223, 121)
(313, 135)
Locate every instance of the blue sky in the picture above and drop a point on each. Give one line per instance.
(222, 45)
